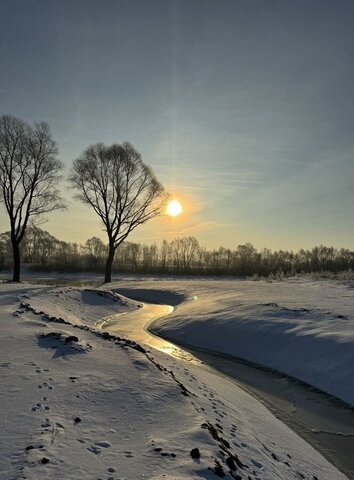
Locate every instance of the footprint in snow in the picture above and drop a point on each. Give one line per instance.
(257, 464)
(96, 448)
(238, 445)
(45, 385)
(39, 407)
(46, 424)
(103, 444)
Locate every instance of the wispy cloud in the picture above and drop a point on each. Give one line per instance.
(194, 229)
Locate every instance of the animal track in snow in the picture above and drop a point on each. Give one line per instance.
(257, 464)
(40, 407)
(103, 444)
(96, 448)
(45, 385)
(128, 454)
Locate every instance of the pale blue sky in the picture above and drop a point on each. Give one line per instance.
(243, 108)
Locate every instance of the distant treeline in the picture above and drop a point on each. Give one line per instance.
(180, 256)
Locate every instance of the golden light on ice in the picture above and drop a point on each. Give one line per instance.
(174, 208)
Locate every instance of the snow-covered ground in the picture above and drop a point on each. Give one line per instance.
(77, 403)
(300, 327)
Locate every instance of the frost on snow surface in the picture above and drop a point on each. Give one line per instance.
(77, 403)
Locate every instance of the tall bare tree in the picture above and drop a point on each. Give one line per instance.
(29, 175)
(120, 188)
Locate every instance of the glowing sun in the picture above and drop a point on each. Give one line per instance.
(174, 208)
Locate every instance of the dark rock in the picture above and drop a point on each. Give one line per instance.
(139, 348)
(195, 453)
(71, 338)
(238, 462)
(77, 420)
(230, 463)
(184, 390)
(218, 470)
(45, 460)
(29, 447)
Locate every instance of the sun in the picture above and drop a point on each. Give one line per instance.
(174, 208)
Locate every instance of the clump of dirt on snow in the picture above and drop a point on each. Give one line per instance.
(63, 343)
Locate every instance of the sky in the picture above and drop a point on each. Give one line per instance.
(243, 108)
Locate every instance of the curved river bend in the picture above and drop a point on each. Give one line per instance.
(325, 423)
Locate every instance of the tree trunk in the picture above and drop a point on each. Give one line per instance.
(108, 270)
(17, 261)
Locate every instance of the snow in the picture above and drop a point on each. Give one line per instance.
(79, 403)
(302, 328)
(80, 306)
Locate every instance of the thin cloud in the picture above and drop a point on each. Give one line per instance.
(194, 229)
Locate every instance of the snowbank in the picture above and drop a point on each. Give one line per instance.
(77, 404)
(299, 327)
(79, 305)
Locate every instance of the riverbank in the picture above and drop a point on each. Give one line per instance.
(80, 404)
(303, 328)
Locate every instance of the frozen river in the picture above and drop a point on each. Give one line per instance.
(324, 422)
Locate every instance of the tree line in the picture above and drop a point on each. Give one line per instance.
(184, 255)
(124, 193)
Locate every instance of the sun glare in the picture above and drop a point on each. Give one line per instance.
(174, 208)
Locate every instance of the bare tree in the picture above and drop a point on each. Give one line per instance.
(184, 251)
(120, 188)
(29, 174)
(96, 250)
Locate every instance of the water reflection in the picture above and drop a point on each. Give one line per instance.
(134, 325)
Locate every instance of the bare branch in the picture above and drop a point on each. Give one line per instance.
(29, 175)
(121, 189)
